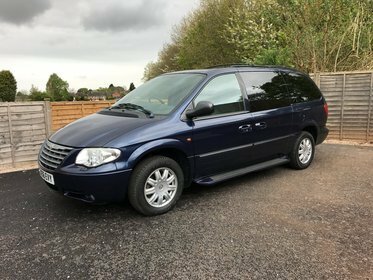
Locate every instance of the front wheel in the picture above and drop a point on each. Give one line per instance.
(303, 151)
(156, 185)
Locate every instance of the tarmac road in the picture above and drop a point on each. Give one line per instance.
(274, 224)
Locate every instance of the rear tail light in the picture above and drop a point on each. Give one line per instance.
(326, 109)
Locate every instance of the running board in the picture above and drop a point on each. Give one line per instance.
(242, 171)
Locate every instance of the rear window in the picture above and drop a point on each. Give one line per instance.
(265, 90)
(301, 88)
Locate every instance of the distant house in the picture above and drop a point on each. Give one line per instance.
(95, 95)
(118, 92)
(116, 95)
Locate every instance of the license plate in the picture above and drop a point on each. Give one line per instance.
(46, 176)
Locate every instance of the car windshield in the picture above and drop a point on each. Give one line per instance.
(160, 95)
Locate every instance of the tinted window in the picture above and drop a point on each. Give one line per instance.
(301, 88)
(224, 92)
(265, 90)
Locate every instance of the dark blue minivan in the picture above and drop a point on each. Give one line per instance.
(202, 126)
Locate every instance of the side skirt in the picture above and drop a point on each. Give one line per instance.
(242, 171)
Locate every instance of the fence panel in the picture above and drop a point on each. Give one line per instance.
(349, 96)
(23, 128)
(64, 113)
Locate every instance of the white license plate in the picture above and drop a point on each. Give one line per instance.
(46, 176)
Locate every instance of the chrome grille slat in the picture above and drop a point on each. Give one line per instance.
(52, 155)
(47, 164)
(50, 159)
(49, 154)
(58, 149)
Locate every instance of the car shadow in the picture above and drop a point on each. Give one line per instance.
(192, 196)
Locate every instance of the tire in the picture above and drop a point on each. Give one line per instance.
(156, 185)
(302, 158)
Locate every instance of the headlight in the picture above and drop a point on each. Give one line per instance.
(92, 157)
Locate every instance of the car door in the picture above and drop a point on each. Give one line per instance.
(271, 114)
(220, 139)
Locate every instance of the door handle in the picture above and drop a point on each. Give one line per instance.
(261, 125)
(245, 128)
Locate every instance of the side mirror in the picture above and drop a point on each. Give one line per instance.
(203, 108)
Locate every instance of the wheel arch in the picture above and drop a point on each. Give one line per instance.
(171, 148)
(312, 129)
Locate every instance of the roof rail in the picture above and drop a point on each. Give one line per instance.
(230, 65)
(253, 65)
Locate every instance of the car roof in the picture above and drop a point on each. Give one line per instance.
(220, 69)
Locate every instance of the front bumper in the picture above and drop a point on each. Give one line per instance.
(94, 187)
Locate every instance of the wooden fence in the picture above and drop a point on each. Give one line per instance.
(23, 127)
(350, 99)
(64, 113)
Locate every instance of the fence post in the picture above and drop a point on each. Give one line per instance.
(82, 109)
(317, 79)
(370, 105)
(48, 118)
(342, 106)
(12, 148)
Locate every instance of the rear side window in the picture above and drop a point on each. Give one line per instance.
(265, 90)
(301, 88)
(225, 93)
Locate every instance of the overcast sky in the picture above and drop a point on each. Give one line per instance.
(89, 43)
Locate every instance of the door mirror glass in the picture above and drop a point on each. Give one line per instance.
(203, 108)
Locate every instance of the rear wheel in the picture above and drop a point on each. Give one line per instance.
(303, 151)
(156, 185)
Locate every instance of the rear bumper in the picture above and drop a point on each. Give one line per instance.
(93, 188)
(323, 133)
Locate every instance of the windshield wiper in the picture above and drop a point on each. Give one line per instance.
(131, 106)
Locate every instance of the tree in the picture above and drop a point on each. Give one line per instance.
(253, 35)
(328, 35)
(199, 41)
(22, 96)
(37, 95)
(311, 35)
(57, 88)
(8, 86)
(167, 61)
(132, 87)
(82, 94)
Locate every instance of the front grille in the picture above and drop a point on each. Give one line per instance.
(52, 155)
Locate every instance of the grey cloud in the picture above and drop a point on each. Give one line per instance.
(22, 11)
(117, 17)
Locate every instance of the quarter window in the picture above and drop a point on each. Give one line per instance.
(224, 92)
(301, 88)
(265, 90)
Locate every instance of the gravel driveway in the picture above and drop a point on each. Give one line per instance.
(273, 224)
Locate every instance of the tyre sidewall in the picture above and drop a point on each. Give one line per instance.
(138, 180)
(295, 157)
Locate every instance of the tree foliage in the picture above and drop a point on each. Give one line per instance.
(22, 96)
(8, 86)
(327, 35)
(38, 95)
(57, 88)
(312, 35)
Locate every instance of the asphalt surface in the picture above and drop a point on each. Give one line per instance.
(274, 224)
